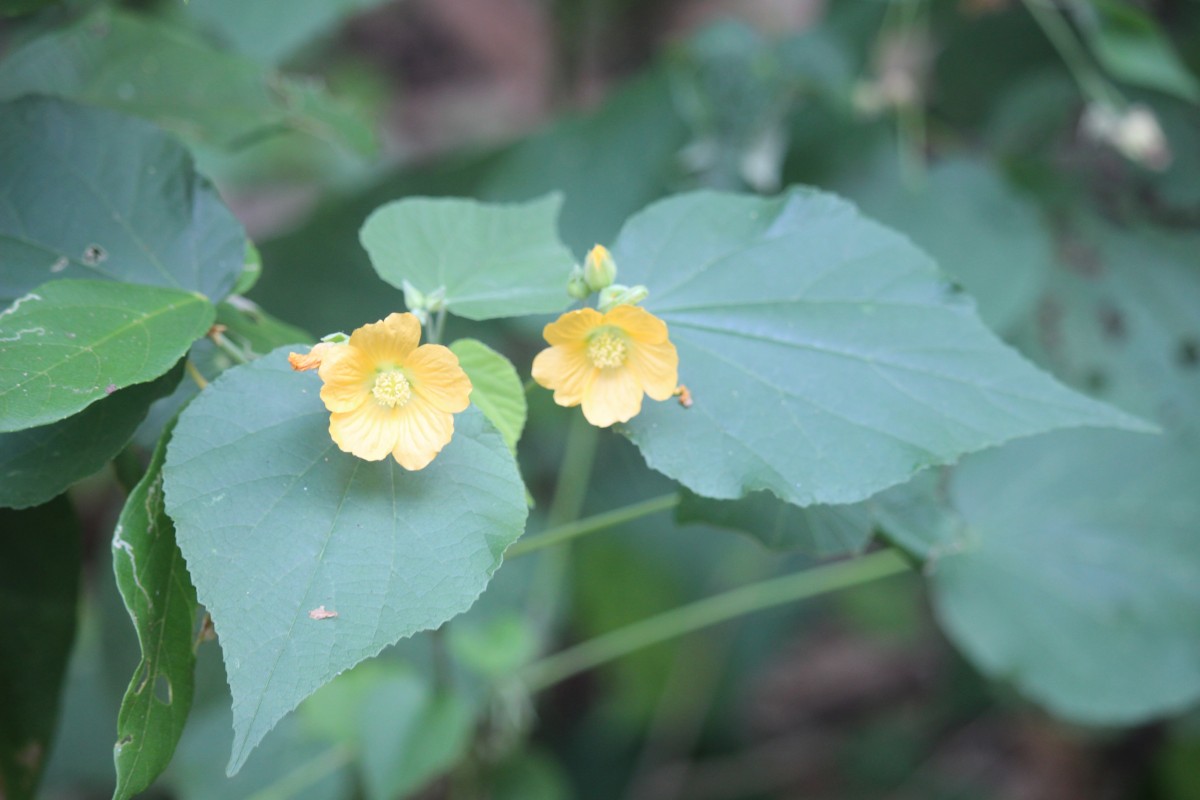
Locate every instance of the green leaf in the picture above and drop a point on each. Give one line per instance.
(256, 330)
(491, 260)
(404, 731)
(819, 530)
(276, 522)
(37, 464)
(826, 357)
(161, 601)
(39, 586)
(269, 31)
(1119, 320)
(496, 388)
(71, 343)
(977, 229)
(251, 270)
(126, 62)
(1080, 579)
(86, 193)
(1130, 45)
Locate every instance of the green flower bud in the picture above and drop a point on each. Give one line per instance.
(599, 269)
(618, 295)
(577, 286)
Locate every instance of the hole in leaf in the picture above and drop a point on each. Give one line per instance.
(94, 254)
(1188, 354)
(162, 690)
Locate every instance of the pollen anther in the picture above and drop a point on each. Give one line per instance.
(392, 389)
(607, 350)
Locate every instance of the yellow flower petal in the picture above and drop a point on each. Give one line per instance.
(638, 323)
(389, 341)
(302, 362)
(566, 370)
(423, 431)
(614, 396)
(347, 377)
(656, 368)
(436, 376)
(572, 326)
(369, 431)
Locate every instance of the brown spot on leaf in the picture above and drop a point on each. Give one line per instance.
(320, 613)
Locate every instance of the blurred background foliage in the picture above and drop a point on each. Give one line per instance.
(1009, 139)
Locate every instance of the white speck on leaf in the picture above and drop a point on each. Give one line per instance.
(320, 613)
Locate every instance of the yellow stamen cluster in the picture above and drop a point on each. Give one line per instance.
(607, 350)
(392, 389)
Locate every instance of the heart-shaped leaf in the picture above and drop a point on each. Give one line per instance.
(89, 193)
(490, 260)
(71, 343)
(311, 560)
(827, 358)
(37, 464)
(1076, 573)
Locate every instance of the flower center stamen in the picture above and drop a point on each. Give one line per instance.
(392, 389)
(607, 350)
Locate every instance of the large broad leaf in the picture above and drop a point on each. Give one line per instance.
(159, 596)
(978, 229)
(820, 530)
(1119, 319)
(495, 387)
(1129, 44)
(403, 730)
(490, 260)
(37, 464)
(281, 530)
(71, 343)
(87, 193)
(269, 31)
(39, 584)
(128, 63)
(826, 357)
(1079, 575)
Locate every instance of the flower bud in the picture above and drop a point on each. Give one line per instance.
(618, 295)
(577, 286)
(599, 269)
(413, 297)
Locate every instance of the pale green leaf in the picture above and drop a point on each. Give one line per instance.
(269, 31)
(276, 522)
(87, 193)
(978, 229)
(1131, 46)
(71, 343)
(38, 463)
(39, 586)
(1079, 578)
(130, 63)
(495, 388)
(154, 583)
(491, 260)
(826, 357)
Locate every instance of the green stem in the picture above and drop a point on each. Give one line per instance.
(306, 775)
(235, 353)
(438, 328)
(710, 611)
(582, 527)
(569, 494)
(1091, 83)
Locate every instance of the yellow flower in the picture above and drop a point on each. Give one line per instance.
(606, 362)
(386, 395)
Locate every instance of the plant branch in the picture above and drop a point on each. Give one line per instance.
(597, 522)
(710, 611)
